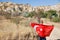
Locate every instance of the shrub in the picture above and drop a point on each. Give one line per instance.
(7, 16)
(56, 19)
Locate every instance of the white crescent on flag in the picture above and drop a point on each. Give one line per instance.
(35, 27)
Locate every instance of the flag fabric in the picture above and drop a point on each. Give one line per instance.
(42, 30)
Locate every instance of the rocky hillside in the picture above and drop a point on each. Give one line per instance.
(13, 7)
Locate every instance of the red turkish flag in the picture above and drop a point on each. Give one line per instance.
(42, 30)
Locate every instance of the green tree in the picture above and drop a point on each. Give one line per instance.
(39, 14)
(29, 14)
(51, 13)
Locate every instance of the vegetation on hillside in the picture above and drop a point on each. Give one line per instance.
(50, 14)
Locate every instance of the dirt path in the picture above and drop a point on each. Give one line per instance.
(55, 34)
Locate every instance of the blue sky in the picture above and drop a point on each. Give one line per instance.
(34, 2)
